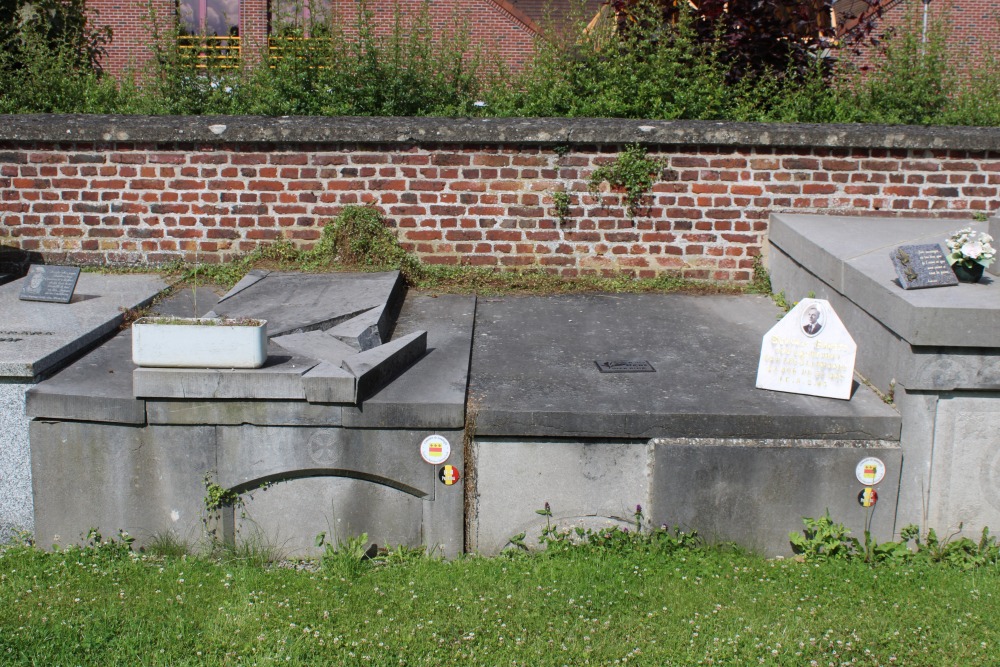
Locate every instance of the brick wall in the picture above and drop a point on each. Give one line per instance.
(122, 190)
(973, 27)
(495, 28)
(133, 25)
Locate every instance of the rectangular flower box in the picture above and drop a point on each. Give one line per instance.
(190, 342)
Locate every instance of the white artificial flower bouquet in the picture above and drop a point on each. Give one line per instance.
(966, 247)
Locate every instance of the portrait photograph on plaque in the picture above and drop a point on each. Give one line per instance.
(54, 284)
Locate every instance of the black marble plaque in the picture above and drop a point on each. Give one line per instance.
(625, 367)
(920, 266)
(50, 283)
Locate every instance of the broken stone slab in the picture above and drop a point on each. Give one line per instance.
(319, 345)
(296, 302)
(431, 393)
(327, 383)
(377, 367)
(279, 378)
(251, 278)
(365, 331)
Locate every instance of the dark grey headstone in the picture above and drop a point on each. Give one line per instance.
(922, 266)
(50, 283)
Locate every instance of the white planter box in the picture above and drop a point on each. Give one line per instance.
(178, 342)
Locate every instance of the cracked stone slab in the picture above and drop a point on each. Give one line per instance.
(377, 367)
(431, 393)
(533, 372)
(319, 345)
(365, 331)
(327, 383)
(297, 302)
(251, 278)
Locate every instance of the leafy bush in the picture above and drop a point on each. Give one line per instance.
(824, 540)
(644, 73)
(49, 58)
(704, 64)
(756, 37)
(661, 540)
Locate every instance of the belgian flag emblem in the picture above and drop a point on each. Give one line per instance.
(868, 497)
(448, 475)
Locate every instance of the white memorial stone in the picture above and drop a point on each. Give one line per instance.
(808, 352)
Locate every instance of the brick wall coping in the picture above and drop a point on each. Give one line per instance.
(212, 130)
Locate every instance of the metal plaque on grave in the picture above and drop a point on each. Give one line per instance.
(50, 283)
(625, 367)
(921, 266)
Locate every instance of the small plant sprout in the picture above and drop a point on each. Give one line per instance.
(561, 203)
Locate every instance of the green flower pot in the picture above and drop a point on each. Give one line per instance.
(968, 275)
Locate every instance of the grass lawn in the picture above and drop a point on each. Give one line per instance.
(585, 606)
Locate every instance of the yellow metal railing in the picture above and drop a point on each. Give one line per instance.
(224, 52)
(211, 51)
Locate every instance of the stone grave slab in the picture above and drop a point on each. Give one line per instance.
(296, 302)
(251, 278)
(377, 367)
(319, 345)
(35, 337)
(533, 372)
(329, 383)
(851, 256)
(367, 330)
(935, 352)
(431, 393)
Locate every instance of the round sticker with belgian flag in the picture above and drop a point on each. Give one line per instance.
(448, 475)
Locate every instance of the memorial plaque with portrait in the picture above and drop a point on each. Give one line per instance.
(54, 284)
(808, 352)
